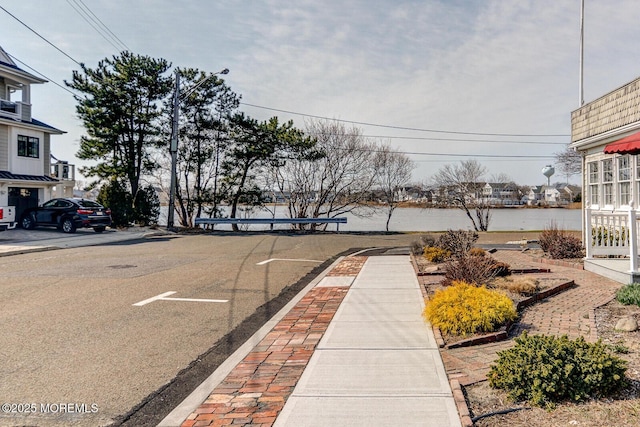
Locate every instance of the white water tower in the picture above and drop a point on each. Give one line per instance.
(548, 171)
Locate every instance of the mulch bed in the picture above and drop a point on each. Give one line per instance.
(546, 288)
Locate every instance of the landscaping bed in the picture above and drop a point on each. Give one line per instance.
(620, 409)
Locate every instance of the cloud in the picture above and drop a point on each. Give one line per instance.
(490, 66)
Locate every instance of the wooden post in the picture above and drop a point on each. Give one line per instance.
(633, 238)
(587, 231)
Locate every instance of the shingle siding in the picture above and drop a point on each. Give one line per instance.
(616, 109)
(25, 112)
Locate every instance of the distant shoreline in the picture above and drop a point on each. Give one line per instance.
(410, 205)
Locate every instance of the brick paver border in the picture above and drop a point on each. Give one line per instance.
(255, 391)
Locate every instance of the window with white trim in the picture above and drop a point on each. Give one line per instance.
(594, 182)
(624, 180)
(607, 182)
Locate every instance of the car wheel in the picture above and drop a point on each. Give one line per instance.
(99, 229)
(68, 226)
(27, 222)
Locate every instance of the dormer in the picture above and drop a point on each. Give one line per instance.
(15, 89)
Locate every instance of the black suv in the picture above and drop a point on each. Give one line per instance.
(67, 215)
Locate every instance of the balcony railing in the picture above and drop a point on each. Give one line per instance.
(63, 171)
(10, 109)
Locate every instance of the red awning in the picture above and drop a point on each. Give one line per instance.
(627, 145)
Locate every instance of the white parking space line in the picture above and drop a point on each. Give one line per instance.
(164, 297)
(152, 299)
(195, 299)
(267, 261)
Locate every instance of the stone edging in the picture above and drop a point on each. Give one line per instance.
(504, 332)
(559, 263)
(461, 404)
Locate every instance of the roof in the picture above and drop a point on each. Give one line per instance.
(44, 125)
(5, 59)
(7, 63)
(33, 123)
(5, 175)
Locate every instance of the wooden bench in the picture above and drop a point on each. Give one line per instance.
(271, 221)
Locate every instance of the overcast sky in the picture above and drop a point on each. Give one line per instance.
(410, 67)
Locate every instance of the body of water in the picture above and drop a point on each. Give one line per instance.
(416, 219)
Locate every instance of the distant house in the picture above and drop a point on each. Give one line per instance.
(560, 194)
(535, 195)
(501, 193)
(415, 194)
(606, 132)
(28, 176)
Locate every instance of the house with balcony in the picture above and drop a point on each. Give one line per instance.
(606, 132)
(28, 175)
(501, 193)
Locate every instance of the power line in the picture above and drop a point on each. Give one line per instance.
(96, 23)
(42, 75)
(42, 37)
(401, 127)
(86, 19)
(491, 156)
(495, 160)
(105, 26)
(459, 139)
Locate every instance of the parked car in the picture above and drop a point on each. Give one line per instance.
(68, 215)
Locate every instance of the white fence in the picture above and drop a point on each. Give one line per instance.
(612, 233)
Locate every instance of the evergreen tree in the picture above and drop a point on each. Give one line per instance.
(120, 107)
(254, 146)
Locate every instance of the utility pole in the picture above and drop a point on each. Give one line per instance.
(581, 84)
(174, 153)
(173, 149)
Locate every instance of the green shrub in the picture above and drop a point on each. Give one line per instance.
(544, 370)
(115, 196)
(474, 269)
(146, 206)
(463, 309)
(629, 295)
(458, 242)
(436, 254)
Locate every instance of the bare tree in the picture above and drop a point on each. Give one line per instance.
(569, 162)
(337, 181)
(460, 186)
(393, 171)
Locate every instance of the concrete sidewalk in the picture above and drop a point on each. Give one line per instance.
(353, 351)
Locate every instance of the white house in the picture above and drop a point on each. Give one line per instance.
(501, 193)
(27, 174)
(606, 132)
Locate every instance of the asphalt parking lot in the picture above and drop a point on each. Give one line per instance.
(78, 337)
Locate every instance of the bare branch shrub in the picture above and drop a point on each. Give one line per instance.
(477, 270)
(458, 242)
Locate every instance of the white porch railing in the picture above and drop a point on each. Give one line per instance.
(612, 233)
(63, 171)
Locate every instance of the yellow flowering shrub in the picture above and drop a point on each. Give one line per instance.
(436, 254)
(463, 309)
